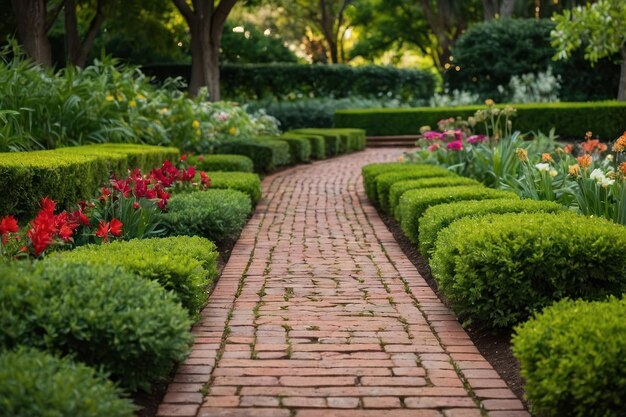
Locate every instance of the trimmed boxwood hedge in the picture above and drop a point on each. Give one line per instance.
(186, 265)
(267, 155)
(318, 144)
(439, 217)
(245, 182)
(299, 148)
(570, 120)
(414, 203)
(101, 315)
(218, 215)
(336, 144)
(572, 358)
(386, 180)
(371, 171)
(398, 188)
(499, 269)
(238, 163)
(35, 383)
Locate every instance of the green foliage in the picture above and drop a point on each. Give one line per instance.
(491, 53)
(572, 359)
(438, 217)
(414, 203)
(102, 316)
(267, 155)
(185, 265)
(338, 141)
(19, 292)
(218, 215)
(247, 183)
(253, 46)
(371, 171)
(68, 175)
(34, 383)
(499, 269)
(385, 181)
(238, 163)
(400, 187)
(317, 142)
(570, 120)
(299, 148)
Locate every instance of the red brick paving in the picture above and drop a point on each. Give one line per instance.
(319, 313)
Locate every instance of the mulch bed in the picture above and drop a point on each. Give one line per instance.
(495, 346)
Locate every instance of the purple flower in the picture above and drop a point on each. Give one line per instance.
(457, 145)
(474, 139)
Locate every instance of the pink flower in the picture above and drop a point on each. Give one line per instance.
(457, 145)
(432, 135)
(474, 139)
(434, 147)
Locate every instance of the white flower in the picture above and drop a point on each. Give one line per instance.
(609, 158)
(606, 182)
(543, 167)
(553, 173)
(597, 175)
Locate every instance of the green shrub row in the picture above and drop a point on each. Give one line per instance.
(317, 142)
(266, 155)
(572, 359)
(299, 148)
(438, 217)
(338, 141)
(238, 163)
(414, 203)
(570, 120)
(398, 188)
(184, 265)
(499, 269)
(100, 315)
(215, 214)
(245, 182)
(35, 383)
(67, 175)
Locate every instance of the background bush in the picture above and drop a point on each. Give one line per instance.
(34, 383)
(103, 317)
(570, 120)
(184, 265)
(267, 155)
(438, 217)
(247, 183)
(492, 52)
(499, 269)
(386, 180)
(299, 148)
(218, 215)
(572, 358)
(238, 163)
(317, 142)
(414, 203)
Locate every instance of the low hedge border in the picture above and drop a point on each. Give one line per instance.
(438, 217)
(245, 182)
(414, 203)
(299, 148)
(266, 155)
(226, 163)
(398, 188)
(35, 383)
(186, 265)
(572, 358)
(335, 145)
(318, 145)
(497, 270)
(570, 120)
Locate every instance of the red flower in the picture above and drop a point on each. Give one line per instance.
(48, 205)
(183, 157)
(204, 179)
(65, 233)
(116, 227)
(162, 204)
(122, 186)
(103, 230)
(8, 224)
(201, 158)
(40, 234)
(78, 217)
(136, 205)
(105, 193)
(188, 175)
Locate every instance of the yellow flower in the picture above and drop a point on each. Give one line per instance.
(522, 154)
(132, 103)
(553, 173)
(195, 124)
(574, 170)
(110, 98)
(163, 110)
(233, 131)
(546, 157)
(198, 132)
(120, 97)
(489, 102)
(140, 97)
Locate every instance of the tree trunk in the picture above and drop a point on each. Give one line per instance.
(334, 51)
(30, 16)
(507, 8)
(213, 73)
(491, 8)
(78, 49)
(199, 59)
(621, 94)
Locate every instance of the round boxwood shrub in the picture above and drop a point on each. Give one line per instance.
(19, 292)
(439, 217)
(183, 264)
(237, 163)
(398, 188)
(34, 383)
(215, 214)
(414, 203)
(240, 181)
(499, 269)
(572, 359)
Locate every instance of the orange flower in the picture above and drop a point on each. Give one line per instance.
(620, 144)
(522, 154)
(546, 157)
(591, 144)
(622, 168)
(585, 161)
(574, 170)
(568, 148)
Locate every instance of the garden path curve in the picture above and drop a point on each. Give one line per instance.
(319, 313)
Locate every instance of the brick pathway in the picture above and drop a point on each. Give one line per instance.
(319, 313)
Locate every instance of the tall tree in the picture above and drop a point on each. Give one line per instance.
(600, 28)
(498, 8)
(78, 47)
(206, 19)
(33, 21)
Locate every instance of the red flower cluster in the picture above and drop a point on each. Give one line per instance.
(114, 227)
(8, 225)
